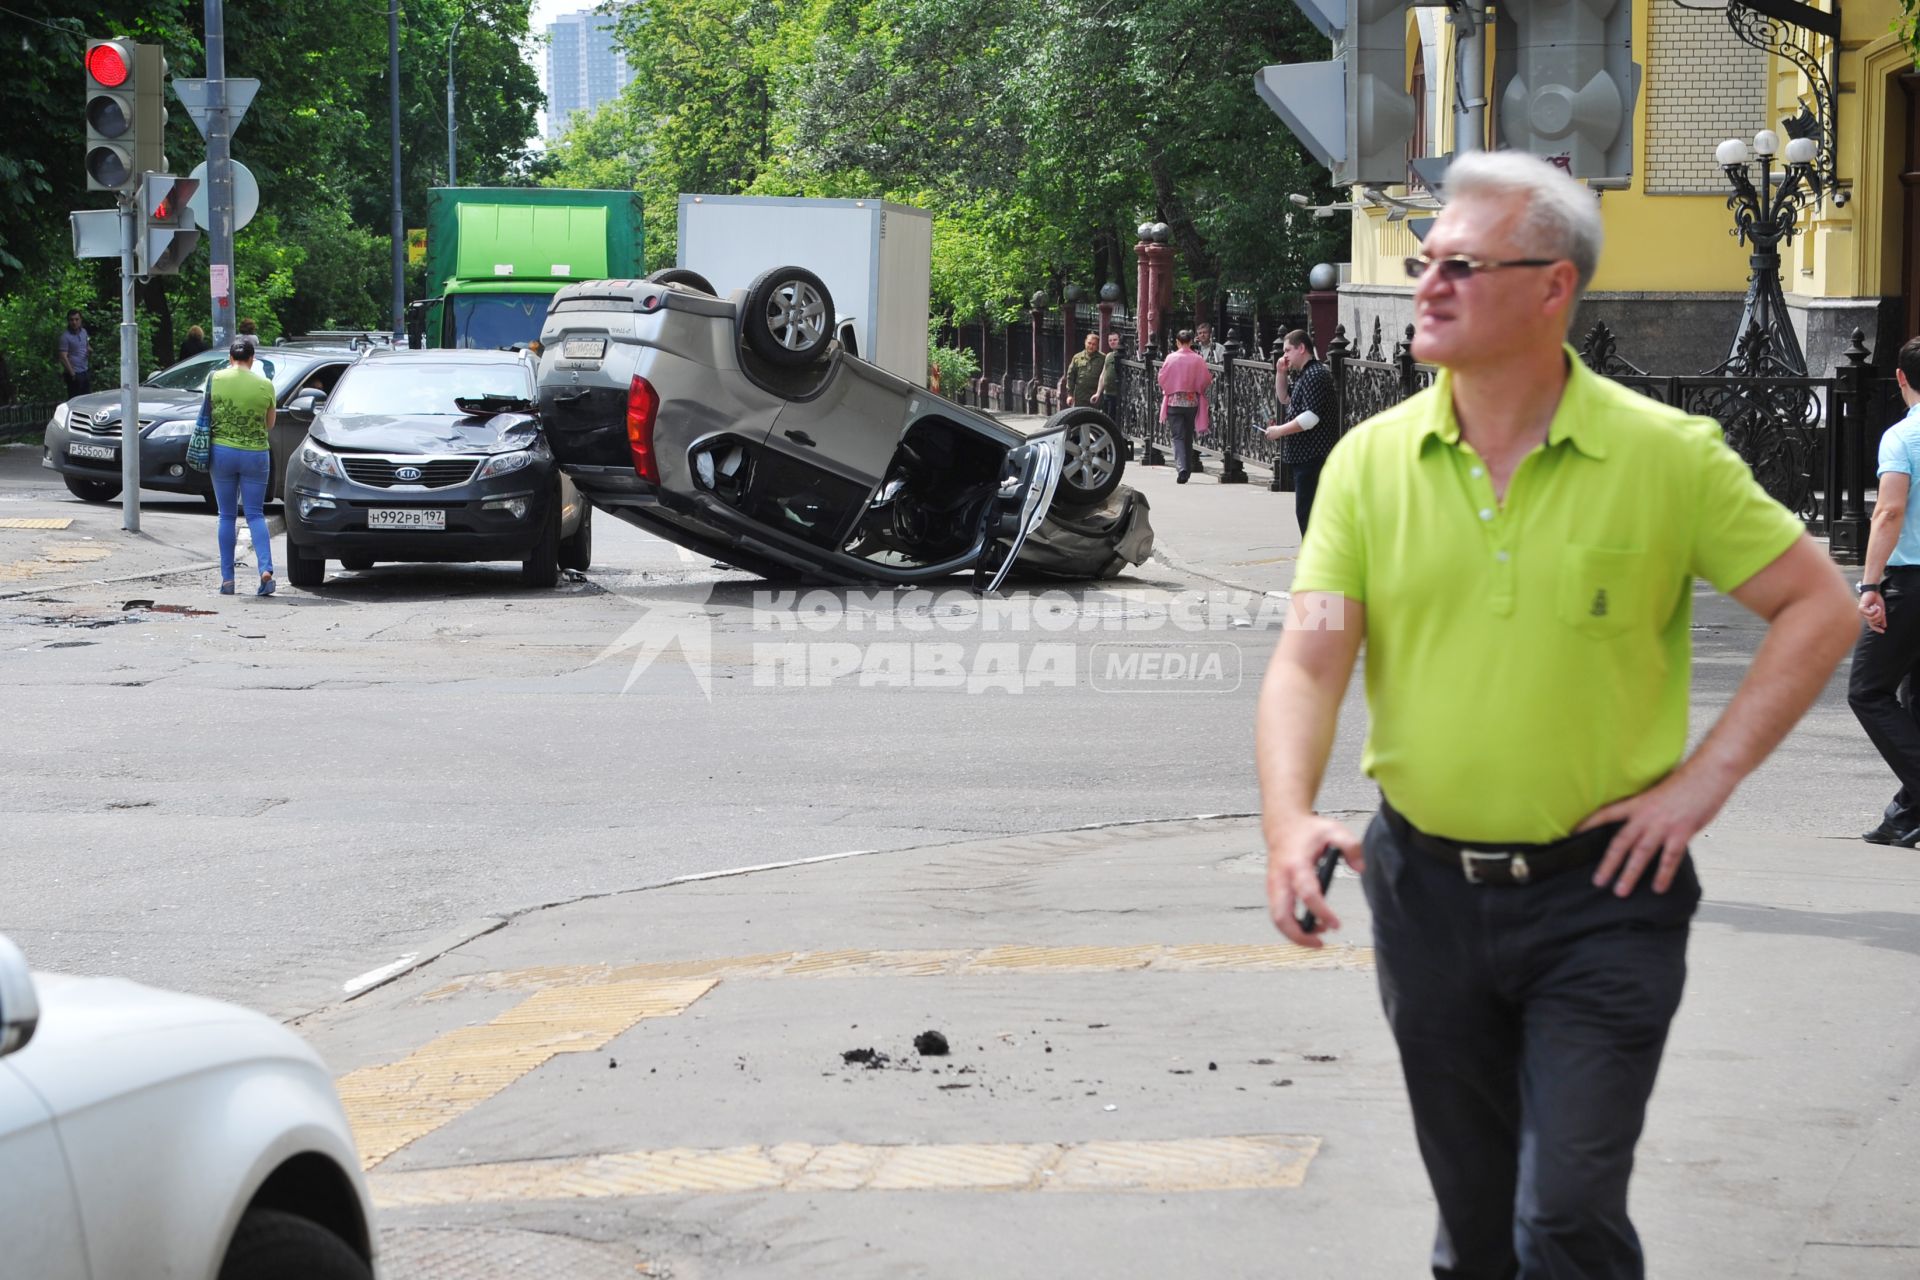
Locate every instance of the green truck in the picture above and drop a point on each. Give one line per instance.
(496, 255)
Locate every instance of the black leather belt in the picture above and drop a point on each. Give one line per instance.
(1510, 864)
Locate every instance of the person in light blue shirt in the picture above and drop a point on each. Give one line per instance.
(1888, 653)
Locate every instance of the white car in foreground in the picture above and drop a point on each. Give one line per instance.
(149, 1134)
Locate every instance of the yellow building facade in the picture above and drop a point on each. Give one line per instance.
(1673, 277)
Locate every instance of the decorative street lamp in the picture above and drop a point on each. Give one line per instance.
(1764, 215)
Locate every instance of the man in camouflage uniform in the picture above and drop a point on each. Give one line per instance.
(1083, 373)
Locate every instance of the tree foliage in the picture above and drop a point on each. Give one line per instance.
(316, 138)
(1039, 132)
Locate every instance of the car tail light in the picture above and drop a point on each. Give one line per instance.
(643, 406)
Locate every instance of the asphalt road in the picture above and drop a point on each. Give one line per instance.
(261, 799)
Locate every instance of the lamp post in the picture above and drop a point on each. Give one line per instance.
(452, 127)
(1764, 214)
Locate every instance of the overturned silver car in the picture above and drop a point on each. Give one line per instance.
(744, 429)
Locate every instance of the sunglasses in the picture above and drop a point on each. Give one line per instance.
(1458, 267)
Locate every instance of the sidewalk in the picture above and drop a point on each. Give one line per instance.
(51, 541)
(1144, 1079)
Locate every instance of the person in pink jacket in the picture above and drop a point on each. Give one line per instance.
(1184, 380)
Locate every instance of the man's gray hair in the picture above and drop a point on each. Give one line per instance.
(1562, 218)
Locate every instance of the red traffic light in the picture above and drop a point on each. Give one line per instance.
(107, 65)
(162, 211)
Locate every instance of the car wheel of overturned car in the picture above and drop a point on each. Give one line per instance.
(271, 1244)
(680, 275)
(788, 317)
(304, 569)
(1096, 456)
(576, 553)
(92, 490)
(541, 567)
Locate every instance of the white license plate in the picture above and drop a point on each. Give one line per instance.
(583, 349)
(406, 518)
(105, 452)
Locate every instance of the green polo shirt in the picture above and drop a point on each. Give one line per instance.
(241, 400)
(1527, 662)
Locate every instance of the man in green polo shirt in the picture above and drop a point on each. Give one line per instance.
(1517, 547)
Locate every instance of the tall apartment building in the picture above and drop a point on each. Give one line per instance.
(585, 67)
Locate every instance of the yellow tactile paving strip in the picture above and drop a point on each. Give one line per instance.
(1260, 1162)
(1153, 958)
(28, 522)
(398, 1102)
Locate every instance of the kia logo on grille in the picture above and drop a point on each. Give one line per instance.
(406, 473)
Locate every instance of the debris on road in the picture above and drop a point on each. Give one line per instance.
(930, 1044)
(871, 1059)
(1321, 1057)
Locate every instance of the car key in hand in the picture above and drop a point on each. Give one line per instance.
(1323, 867)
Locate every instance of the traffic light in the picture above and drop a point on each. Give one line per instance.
(1566, 83)
(166, 232)
(1353, 113)
(126, 113)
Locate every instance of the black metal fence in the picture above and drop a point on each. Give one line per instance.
(24, 421)
(1812, 442)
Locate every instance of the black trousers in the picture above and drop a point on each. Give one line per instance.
(78, 384)
(1530, 1021)
(1882, 663)
(1306, 482)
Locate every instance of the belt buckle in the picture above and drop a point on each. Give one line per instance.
(1472, 859)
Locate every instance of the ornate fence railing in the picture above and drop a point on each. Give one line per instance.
(1810, 441)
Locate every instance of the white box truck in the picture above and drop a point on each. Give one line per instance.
(875, 258)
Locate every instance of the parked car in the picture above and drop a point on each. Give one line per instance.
(145, 1133)
(741, 428)
(431, 455)
(82, 440)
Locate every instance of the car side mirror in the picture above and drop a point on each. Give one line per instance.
(307, 402)
(19, 1004)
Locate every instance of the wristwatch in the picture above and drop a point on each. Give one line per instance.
(1865, 587)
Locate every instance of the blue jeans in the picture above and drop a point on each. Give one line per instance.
(240, 479)
(1530, 1021)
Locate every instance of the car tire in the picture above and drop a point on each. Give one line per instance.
(210, 500)
(788, 318)
(92, 490)
(357, 564)
(680, 275)
(1096, 457)
(271, 1244)
(540, 569)
(304, 569)
(576, 553)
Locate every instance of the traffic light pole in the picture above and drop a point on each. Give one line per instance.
(1470, 53)
(219, 178)
(129, 374)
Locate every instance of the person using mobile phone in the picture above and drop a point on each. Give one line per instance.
(1516, 546)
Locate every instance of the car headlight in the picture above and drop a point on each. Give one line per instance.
(169, 430)
(320, 460)
(60, 414)
(505, 464)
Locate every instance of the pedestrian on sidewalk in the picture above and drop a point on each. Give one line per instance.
(1107, 394)
(75, 351)
(195, 343)
(1184, 380)
(1307, 436)
(1082, 379)
(240, 409)
(1887, 656)
(1516, 547)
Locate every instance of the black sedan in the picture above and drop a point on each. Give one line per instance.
(436, 456)
(82, 440)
